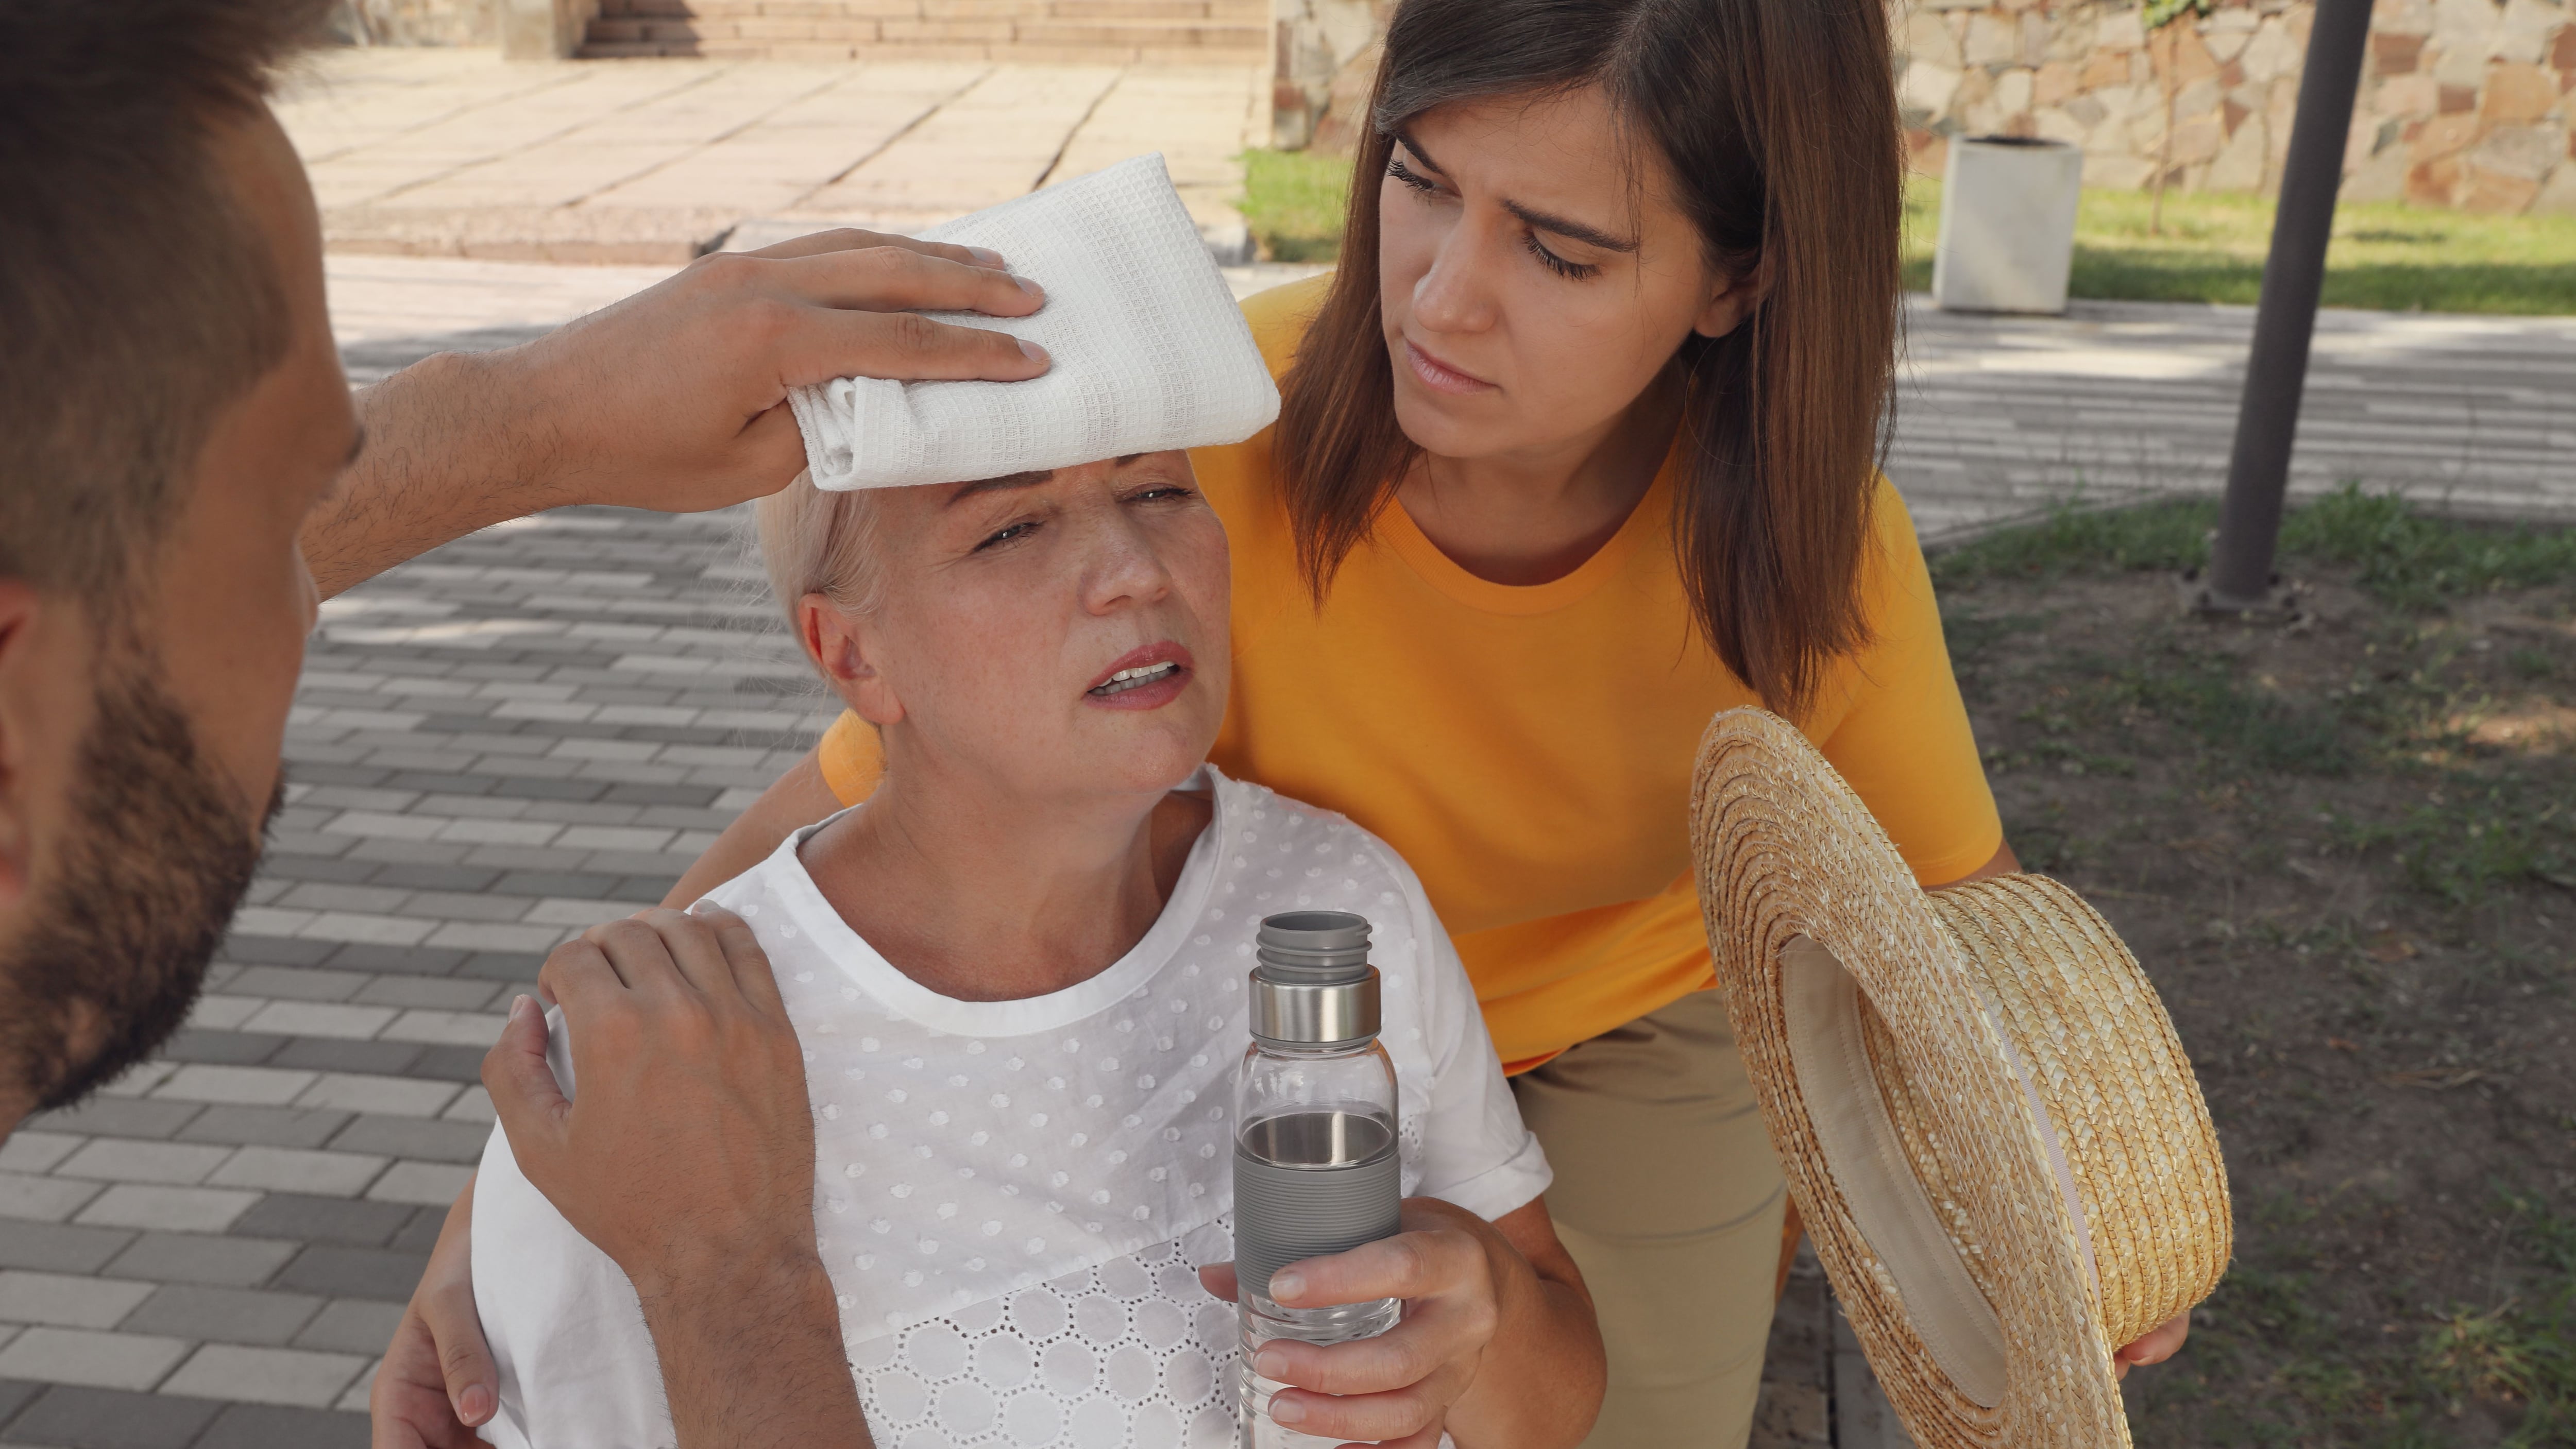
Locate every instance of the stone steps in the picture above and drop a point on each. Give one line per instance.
(1029, 31)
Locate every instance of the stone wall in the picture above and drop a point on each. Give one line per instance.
(1324, 56)
(2464, 103)
(416, 22)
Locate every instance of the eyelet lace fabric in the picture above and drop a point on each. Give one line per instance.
(1130, 1352)
(1012, 1197)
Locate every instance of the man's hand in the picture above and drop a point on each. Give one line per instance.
(674, 399)
(437, 1379)
(687, 1156)
(1482, 1330)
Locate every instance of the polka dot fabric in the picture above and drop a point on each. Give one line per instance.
(1012, 1197)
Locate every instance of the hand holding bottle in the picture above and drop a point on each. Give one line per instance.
(1474, 1304)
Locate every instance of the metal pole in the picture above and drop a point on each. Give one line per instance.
(2276, 370)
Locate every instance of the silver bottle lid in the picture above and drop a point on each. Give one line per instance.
(1312, 984)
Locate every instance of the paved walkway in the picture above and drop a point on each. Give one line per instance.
(539, 726)
(455, 153)
(1999, 416)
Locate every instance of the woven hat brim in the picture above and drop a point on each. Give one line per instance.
(1785, 849)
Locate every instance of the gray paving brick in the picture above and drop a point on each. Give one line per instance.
(322, 896)
(229, 1048)
(432, 877)
(219, 1261)
(452, 1063)
(272, 950)
(123, 1160)
(421, 1234)
(66, 1300)
(222, 1315)
(270, 1426)
(279, 865)
(14, 1395)
(297, 984)
(59, 1247)
(407, 852)
(569, 884)
(180, 1209)
(87, 1418)
(355, 1272)
(437, 993)
(266, 1126)
(341, 1221)
(118, 1117)
(87, 1357)
(411, 1137)
(403, 960)
(43, 1199)
(351, 1325)
(331, 1054)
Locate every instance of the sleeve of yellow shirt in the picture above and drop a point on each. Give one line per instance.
(852, 758)
(1903, 741)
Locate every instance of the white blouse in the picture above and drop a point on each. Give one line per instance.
(1012, 1197)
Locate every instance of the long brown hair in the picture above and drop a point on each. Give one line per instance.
(1778, 121)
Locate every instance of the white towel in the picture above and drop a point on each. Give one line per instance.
(1150, 350)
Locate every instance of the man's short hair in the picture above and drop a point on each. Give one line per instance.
(138, 298)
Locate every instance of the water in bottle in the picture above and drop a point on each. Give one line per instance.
(1315, 1162)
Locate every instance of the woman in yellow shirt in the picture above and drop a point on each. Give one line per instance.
(1577, 448)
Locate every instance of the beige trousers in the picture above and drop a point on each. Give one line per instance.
(1670, 1199)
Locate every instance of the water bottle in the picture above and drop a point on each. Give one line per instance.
(1315, 1166)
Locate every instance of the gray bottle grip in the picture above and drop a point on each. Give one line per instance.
(1283, 1214)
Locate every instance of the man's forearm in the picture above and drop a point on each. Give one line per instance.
(752, 1357)
(448, 450)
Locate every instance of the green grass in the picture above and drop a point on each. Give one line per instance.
(2385, 255)
(2404, 557)
(1293, 201)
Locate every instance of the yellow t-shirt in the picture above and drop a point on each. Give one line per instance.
(1528, 750)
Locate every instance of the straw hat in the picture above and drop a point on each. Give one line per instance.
(1987, 1121)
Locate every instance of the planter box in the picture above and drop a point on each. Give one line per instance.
(2007, 225)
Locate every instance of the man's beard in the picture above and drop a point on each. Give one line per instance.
(158, 858)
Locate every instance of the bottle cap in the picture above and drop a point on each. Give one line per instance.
(1312, 984)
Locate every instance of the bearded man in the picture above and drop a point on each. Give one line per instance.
(185, 474)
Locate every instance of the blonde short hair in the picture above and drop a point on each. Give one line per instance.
(813, 542)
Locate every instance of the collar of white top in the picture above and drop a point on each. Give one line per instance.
(788, 880)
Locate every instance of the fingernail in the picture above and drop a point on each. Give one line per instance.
(1287, 1411)
(522, 1005)
(985, 256)
(1287, 1284)
(1031, 287)
(1033, 352)
(1268, 1364)
(473, 1404)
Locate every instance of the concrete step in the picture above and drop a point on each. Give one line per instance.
(828, 52)
(1066, 31)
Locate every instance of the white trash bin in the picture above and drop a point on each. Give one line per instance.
(2007, 225)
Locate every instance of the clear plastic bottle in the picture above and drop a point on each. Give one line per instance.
(1315, 1161)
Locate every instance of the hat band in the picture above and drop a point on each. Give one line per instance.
(1820, 1015)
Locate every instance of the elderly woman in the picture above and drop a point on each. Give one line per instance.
(1017, 973)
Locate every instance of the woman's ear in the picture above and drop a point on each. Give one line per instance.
(1732, 302)
(839, 643)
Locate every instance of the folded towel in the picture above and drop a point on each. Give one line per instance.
(1150, 350)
